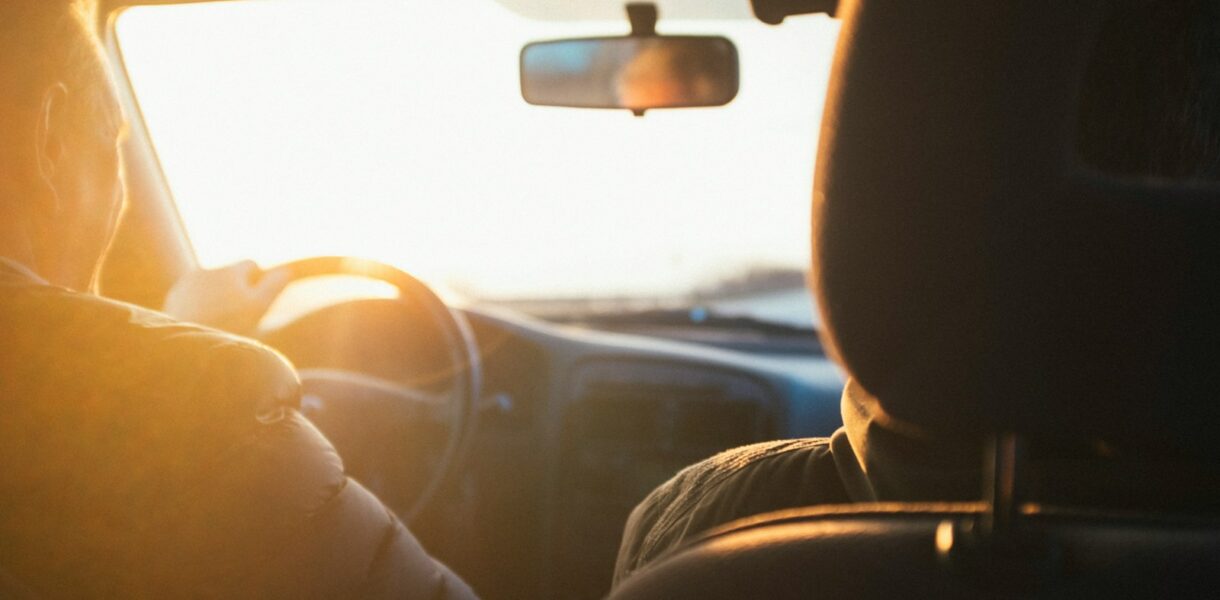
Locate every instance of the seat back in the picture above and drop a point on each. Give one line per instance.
(917, 551)
(974, 271)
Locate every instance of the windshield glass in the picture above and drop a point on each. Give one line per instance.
(395, 130)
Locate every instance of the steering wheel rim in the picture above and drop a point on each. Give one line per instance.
(460, 347)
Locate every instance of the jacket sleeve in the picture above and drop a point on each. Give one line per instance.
(141, 457)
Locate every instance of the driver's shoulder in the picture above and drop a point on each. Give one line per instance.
(158, 428)
(62, 344)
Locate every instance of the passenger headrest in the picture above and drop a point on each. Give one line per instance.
(973, 273)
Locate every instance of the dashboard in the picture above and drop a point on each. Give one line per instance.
(579, 425)
(574, 427)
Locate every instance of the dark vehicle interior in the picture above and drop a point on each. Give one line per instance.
(513, 446)
(1057, 297)
(966, 253)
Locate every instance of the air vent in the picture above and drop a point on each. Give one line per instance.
(670, 408)
(669, 417)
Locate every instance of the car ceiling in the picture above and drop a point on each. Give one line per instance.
(572, 10)
(578, 10)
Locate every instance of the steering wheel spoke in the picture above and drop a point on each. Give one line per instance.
(324, 387)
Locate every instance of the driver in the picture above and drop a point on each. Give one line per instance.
(141, 456)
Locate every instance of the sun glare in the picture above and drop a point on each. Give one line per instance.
(395, 130)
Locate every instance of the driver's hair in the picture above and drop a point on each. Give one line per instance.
(44, 43)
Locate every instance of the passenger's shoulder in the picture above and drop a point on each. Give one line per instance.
(733, 484)
(742, 480)
(745, 461)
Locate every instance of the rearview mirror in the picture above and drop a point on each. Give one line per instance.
(637, 73)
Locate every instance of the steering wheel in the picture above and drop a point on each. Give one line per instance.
(354, 408)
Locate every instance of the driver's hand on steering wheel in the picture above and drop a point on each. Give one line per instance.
(233, 298)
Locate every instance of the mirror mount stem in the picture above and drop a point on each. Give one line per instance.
(643, 17)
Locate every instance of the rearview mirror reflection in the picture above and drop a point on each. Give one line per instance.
(630, 72)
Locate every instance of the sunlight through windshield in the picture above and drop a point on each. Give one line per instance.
(395, 130)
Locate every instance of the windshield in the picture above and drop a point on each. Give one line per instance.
(395, 130)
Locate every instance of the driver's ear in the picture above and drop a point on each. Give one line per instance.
(50, 143)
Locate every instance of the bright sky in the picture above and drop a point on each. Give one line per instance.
(395, 130)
